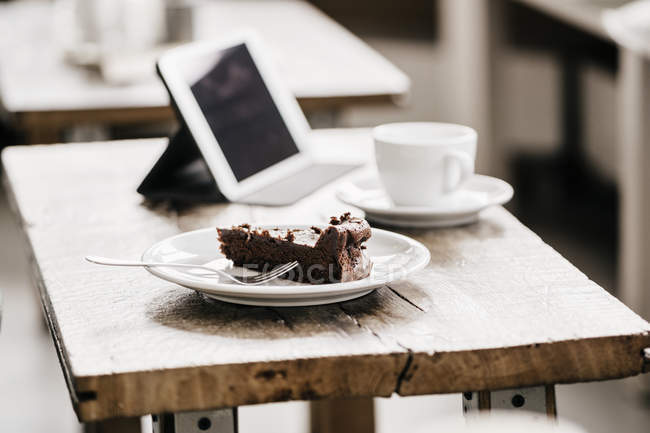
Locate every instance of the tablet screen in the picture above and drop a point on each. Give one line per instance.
(240, 110)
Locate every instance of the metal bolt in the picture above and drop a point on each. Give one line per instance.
(518, 400)
(204, 423)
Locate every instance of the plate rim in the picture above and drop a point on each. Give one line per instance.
(435, 223)
(423, 211)
(288, 302)
(294, 291)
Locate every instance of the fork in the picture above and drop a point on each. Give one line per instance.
(255, 280)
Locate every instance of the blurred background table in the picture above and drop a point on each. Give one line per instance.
(633, 138)
(575, 35)
(324, 65)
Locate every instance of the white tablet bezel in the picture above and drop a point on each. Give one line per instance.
(200, 129)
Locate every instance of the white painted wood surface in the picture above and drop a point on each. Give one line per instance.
(496, 308)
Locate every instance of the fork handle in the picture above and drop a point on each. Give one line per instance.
(119, 262)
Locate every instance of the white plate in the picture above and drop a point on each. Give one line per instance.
(462, 207)
(394, 256)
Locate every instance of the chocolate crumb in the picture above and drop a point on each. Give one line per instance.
(316, 230)
(334, 221)
(245, 226)
(290, 236)
(345, 217)
(363, 247)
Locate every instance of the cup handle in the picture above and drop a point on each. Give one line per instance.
(466, 165)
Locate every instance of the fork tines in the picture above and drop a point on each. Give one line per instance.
(276, 272)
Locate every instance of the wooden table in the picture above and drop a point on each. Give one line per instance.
(482, 49)
(325, 66)
(496, 308)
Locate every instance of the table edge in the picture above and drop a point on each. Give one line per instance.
(404, 373)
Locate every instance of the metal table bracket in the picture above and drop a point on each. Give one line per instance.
(208, 421)
(536, 399)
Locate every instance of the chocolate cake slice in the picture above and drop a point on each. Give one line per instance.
(325, 255)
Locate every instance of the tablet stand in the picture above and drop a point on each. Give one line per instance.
(181, 174)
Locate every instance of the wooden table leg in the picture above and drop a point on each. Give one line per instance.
(634, 173)
(536, 399)
(43, 134)
(346, 415)
(117, 425)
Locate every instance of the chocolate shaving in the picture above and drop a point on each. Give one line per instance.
(290, 236)
(316, 230)
(343, 218)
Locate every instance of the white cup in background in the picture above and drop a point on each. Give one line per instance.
(424, 163)
(119, 25)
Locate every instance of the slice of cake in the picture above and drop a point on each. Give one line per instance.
(326, 255)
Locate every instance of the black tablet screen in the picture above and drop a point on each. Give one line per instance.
(240, 111)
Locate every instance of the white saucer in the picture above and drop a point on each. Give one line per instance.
(394, 256)
(462, 207)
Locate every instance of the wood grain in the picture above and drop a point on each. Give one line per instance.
(496, 308)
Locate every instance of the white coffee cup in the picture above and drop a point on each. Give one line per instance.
(424, 163)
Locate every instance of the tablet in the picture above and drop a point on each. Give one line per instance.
(246, 123)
